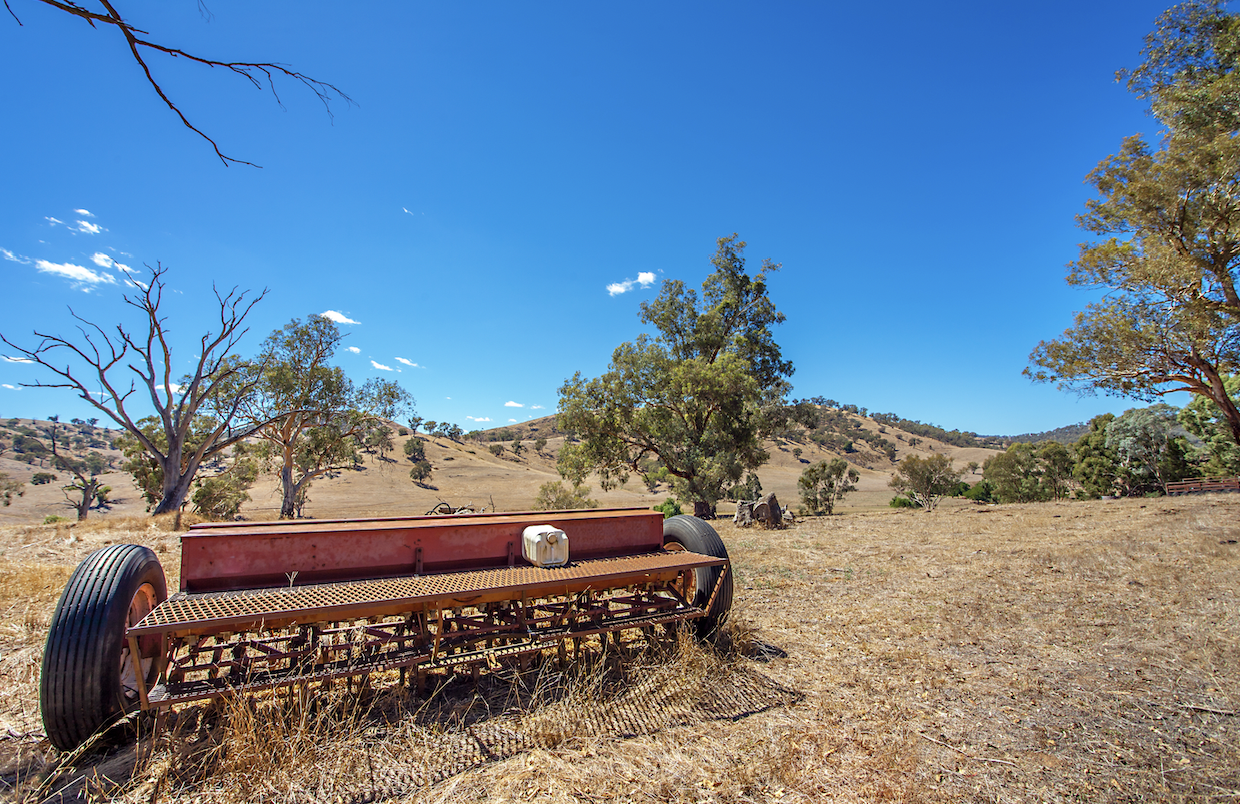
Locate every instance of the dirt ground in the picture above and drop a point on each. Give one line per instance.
(1083, 651)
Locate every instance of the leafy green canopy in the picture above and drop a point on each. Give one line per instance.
(1167, 223)
(309, 415)
(825, 483)
(698, 396)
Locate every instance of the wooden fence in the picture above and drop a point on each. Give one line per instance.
(1202, 484)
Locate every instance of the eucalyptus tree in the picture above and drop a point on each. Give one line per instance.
(698, 395)
(1167, 230)
(308, 416)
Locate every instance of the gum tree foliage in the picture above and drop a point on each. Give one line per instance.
(925, 480)
(555, 496)
(103, 15)
(1097, 466)
(1167, 229)
(1145, 443)
(825, 483)
(1203, 418)
(222, 495)
(1030, 472)
(307, 414)
(698, 394)
(124, 368)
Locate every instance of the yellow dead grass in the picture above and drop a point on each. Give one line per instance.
(1053, 652)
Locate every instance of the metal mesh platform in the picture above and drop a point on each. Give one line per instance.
(214, 612)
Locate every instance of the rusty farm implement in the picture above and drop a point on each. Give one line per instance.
(278, 604)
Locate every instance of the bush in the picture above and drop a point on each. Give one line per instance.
(52, 519)
(555, 496)
(42, 477)
(900, 501)
(497, 449)
(415, 450)
(669, 508)
(420, 472)
(984, 491)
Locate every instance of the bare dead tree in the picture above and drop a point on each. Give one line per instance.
(257, 73)
(86, 483)
(213, 392)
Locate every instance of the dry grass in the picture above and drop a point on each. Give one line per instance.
(1054, 652)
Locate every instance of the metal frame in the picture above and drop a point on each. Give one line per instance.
(216, 643)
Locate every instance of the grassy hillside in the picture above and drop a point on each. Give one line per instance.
(467, 471)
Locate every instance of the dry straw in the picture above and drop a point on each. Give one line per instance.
(1053, 652)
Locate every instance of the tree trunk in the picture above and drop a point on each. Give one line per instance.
(288, 508)
(703, 509)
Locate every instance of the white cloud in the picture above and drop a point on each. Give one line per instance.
(85, 212)
(644, 280)
(339, 318)
(407, 362)
(104, 261)
(8, 359)
(511, 404)
(536, 407)
(89, 228)
(174, 388)
(353, 349)
(52, 220)
(11, 257)
(10, 387)
(77, 273)
(380, 366)
(512, 420)
(479, 418)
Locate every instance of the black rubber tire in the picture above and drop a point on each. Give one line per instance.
(80, 689)
(697, 536)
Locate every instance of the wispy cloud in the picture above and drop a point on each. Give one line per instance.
(87, 227)
(479, 418)
(409, 363)
(512, 420)
(76, 273)
(10, 387)
(8, 359)
(104, 261)
(353, 349)
(84, 212)
(51, 220)
(381, 367)
(536, 407)
(511, 404)
(644, 280)
(11, 257)
(174, 388)
(339, 318)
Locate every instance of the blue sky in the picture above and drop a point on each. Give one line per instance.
(916, 168)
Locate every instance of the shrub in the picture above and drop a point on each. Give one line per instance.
(555, 496)
(52, 519)
(900, 501)
(497, 449)
(42, 477)
(415, 450)
(669, 507)
(983, 491)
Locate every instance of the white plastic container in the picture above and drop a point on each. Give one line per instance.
(544, 546)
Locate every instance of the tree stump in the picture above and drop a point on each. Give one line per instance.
(744, 514)
(768, 512)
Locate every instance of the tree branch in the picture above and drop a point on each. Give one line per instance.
(249, 70)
